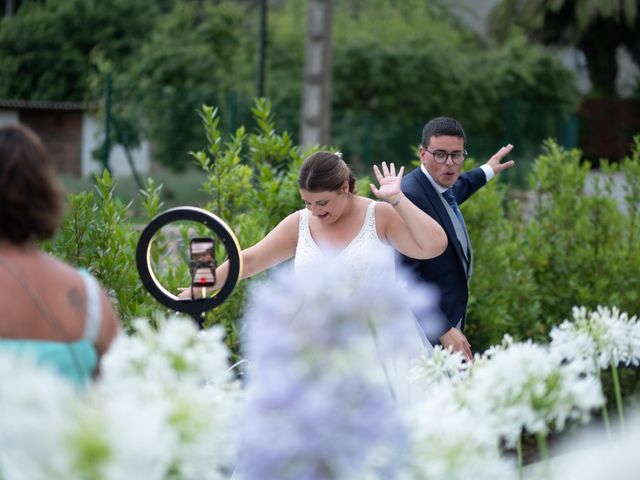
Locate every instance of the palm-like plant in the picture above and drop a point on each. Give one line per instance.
(597, 27)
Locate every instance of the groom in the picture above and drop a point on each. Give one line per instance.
(438, 187)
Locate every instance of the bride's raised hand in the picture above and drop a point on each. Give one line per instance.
(390, 182)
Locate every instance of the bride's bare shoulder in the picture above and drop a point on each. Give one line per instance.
(290, 222)
(292, 217)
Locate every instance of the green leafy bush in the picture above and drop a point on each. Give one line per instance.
(574, 243)
(45, 49)
(251, 185)
(251, 182)
(97, 234)
(503, 292)
(578, 247)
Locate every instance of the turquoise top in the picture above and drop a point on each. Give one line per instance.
(75, 360)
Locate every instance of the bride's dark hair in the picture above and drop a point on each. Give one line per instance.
(325, 172)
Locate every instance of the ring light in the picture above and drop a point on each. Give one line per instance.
(195, 307)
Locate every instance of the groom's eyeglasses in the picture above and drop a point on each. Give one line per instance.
(440, 156)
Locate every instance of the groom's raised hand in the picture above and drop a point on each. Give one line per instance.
(495, 162)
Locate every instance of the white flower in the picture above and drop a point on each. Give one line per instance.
(443, 365)
(121, 436)
(176, 352)
(525, 387)
(205, 419)
(185, 373)
(166, 404)
(507, 341)
(574, 345)
(449, 441)
(35, 409)
(604, 336)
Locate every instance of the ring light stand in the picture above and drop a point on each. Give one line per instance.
(194, 307)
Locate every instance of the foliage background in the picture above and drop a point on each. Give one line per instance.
(396, 64)
(572, 242)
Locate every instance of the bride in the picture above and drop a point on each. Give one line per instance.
(338, 221)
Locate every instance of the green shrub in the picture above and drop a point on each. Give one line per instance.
(579, 247)
(504, 297)
(576, 244)
(251, 183)
(97, 234)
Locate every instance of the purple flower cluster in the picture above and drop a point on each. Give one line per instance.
(314, 410)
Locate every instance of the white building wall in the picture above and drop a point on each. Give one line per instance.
(8, 117)
(92, 134)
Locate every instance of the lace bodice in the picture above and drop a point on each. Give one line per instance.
(356, 256)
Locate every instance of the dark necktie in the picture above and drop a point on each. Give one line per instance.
(451, 200)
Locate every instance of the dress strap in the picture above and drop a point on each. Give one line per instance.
(370, 221)
(304, 234)
(94, 308)
(304, 219)
(371, 207)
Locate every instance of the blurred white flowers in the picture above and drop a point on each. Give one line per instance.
(594, 456)
(165, 407)
(523, 387)
(317, 405)
(183, 373)
(443, 365)
(605, 336)
(177, 352)
(447, 441)
(35, 408)
(597, 340)
(515, 387)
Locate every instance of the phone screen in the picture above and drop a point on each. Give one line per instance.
(203, 265)
(202, 249)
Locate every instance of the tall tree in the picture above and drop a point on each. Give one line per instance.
(597, 27)
(45, 48)
(10, 7)
(316, 100)
(196, 54)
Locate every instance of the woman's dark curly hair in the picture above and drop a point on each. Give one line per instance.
(31, 200)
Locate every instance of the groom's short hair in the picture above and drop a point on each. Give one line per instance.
(439, 126)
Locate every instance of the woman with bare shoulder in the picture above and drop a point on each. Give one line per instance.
(51, 311)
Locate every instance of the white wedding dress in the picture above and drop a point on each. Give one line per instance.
(395, 354)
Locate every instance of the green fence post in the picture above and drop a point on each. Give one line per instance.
(107, 122)
(367, 134)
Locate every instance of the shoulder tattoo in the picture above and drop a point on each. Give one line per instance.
(75, 298)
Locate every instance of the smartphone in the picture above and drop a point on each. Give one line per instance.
(203, 264)
(203, 277)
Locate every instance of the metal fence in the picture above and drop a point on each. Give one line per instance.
(368, 139)
(365, 138)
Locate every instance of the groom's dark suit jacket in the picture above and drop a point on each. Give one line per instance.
(447, 271)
